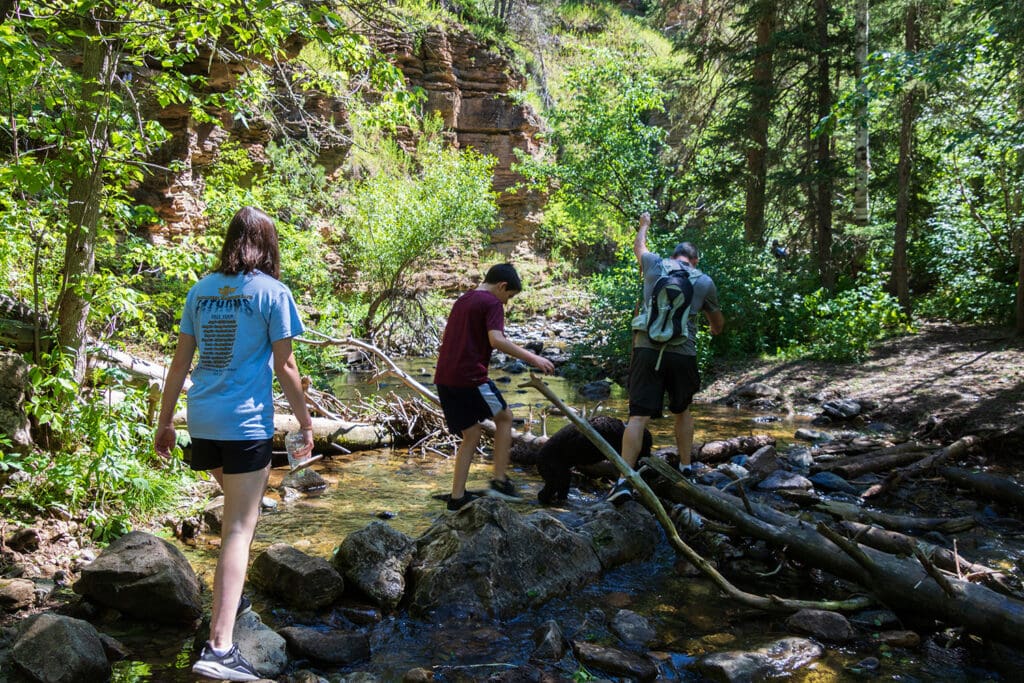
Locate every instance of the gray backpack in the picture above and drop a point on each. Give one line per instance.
(666, 312)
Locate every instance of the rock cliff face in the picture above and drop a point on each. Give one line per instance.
(472, 86)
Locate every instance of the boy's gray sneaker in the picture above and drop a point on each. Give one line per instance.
(504, 489)
(230, 667)
(620, 493)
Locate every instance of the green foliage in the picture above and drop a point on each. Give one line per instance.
(609, 167)
(404, 213)
(842, 327)
(100, 465)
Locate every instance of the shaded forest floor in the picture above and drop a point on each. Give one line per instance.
(941, 383)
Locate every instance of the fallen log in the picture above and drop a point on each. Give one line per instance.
(958, 448)
(718, 451)
(407, 379)
(328, 435)
(855, 513)
(900, 583)
(898, 544)
(989, 486)
(878, 461)
(653, 504)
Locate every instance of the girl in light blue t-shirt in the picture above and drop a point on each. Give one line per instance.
(241, 320)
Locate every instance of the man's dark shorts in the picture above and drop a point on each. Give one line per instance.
(236, 457)
(466, 406)
(678, 375)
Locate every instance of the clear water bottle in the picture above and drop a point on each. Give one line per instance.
(293, 443)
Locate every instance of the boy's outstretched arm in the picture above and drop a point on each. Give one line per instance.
(640, 241)
(501, 343)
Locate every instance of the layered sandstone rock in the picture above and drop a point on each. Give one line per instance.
(472, 85)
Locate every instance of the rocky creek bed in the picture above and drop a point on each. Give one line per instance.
(487, 594)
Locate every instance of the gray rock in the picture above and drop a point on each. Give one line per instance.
(144, 577)
(14, 422)
(550, 642)
(298, 579)
(213, 515)
(329, 648)
(841, 409)
(733, 471)
(800, 458)
(58, 649)
(812, 435)
(514, 367)
(305, 481)
(632, 629)
(619, 534)
(781, 479)
(775, 660)
(488, 560)
(830, 481)
(596, 391)
(822, 624)
(16, 594)
(753, 390)
(762, 462)
(265, 649)
(615, 661)
(374, 560)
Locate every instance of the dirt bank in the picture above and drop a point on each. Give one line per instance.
(941, 383)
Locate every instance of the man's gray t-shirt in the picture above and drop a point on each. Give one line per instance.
(705, 298)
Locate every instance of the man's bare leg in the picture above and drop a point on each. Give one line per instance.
(684, 436)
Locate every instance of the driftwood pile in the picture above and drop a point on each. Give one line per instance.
(876, 555)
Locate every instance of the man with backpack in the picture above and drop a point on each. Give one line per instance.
(665, 347)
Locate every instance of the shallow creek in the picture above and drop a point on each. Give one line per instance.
(688, 613)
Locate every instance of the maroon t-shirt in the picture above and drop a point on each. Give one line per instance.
(465, 348)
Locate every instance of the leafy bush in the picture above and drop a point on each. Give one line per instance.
(100, 465)
(405, 213)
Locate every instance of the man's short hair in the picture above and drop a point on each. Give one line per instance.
(504, 272)
(686, 249)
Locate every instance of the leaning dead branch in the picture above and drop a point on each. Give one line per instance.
(651, 502)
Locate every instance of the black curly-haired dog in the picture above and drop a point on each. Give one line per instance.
(568, 448)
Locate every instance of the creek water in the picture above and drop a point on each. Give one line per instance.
(689, 614)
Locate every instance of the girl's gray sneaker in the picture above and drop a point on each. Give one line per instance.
(230, 667)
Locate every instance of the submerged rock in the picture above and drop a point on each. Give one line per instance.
(615, 661)
(775, 660)
(822, 624)
(632, 629)
(550, 641)
(331, 648)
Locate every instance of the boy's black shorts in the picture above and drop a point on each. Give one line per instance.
(466, 406)
(236, 457)
(678, 375)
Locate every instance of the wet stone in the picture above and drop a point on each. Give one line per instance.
(785, 480)
(615, 661)
(800, 458)
(822, 624)
(632, 629)
(812, 435)
(331, 648)
(778, 659)
(550, 641)
(832, 482)
(299, 579)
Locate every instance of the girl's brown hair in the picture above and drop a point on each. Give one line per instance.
(250, 244)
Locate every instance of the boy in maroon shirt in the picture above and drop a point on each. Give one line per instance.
(475, 326)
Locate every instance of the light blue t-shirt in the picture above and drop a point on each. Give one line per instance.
(235, 319)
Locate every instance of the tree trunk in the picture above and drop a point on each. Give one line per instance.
(84, 196)
(862, 159)
(760, 113)
(908, 106)
(823, 163)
